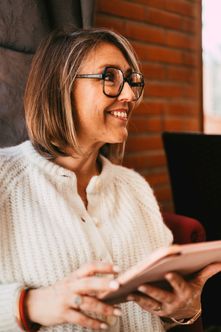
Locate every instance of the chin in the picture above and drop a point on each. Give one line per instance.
(119, 140)
(117, 137)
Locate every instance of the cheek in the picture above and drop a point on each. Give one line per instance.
(90, 104)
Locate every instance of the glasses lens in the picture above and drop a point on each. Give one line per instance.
(136, 82)
(113, 81)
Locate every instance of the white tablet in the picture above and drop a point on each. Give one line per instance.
(185, 259)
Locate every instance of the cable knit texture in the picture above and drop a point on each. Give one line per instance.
(46, 232)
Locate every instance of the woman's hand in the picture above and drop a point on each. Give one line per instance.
(73, 300)
(184, 301)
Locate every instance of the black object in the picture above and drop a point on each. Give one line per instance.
(194, 165)
(23, 24)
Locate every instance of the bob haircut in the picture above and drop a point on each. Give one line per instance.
(49, 100)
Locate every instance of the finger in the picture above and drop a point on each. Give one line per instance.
(208, 272)
(91, 304)
(92, 285)
(92, 268)
(146, 303)
(178, 283)
(156, 293)
(77, 317)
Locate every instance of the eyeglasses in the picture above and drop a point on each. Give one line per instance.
(114, 79)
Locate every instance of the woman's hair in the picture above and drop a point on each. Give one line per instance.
(49, 101)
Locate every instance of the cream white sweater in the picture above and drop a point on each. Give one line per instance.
(46, 232)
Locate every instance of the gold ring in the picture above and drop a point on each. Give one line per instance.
(158, 308)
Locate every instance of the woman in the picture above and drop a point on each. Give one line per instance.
(70, 216)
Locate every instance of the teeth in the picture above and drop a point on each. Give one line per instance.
(122, 115)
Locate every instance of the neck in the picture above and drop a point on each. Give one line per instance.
(84, 166)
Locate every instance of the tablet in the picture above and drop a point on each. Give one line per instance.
(185, 259)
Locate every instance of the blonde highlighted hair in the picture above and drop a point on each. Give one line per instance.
(48, 100)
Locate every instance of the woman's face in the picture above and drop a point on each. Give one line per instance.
(100, 119)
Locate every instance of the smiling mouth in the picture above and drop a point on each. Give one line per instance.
(123, 115)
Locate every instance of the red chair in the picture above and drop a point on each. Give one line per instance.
(185, 230)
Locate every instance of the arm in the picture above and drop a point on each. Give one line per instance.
(183, 303)
(8, 300)
(72, 300)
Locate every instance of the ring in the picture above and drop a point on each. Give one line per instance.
(158, 308)
(77, 301)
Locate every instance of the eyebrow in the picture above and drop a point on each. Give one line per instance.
(129, 70)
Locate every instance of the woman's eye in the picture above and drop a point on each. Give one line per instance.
(109, 77)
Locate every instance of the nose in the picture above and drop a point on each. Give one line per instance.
(126, 93)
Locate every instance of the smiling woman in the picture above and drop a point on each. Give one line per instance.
(71, 218)
(84, 53)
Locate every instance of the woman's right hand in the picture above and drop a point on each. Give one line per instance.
(72, 299)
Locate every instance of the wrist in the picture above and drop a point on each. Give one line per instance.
(187, 321)
(22, 316)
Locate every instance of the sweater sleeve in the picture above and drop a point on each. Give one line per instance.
(8, 292)
(8, 299)
(146, 200)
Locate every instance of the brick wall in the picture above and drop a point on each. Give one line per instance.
(166, 35)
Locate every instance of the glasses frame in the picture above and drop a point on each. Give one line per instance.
(125, 79)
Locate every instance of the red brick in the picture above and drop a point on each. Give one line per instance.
(142, 161)
(148, 106)
(134, 30)
(183, 108)
(167, 90)
(157, 178)
(145, 33)
(163, 18)
(189, 25)
(153, 71)
(180, 40)
(181, 124)
(111, 22)
(143, 143)
(143, 13)
(139, 124)
(177, 73)
(157, 53)
(180, 7)
(191, 58)
(174, 6)
(153, 3)
(122, 9)
(162, 193)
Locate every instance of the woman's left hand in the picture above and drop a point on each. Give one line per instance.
(183, 301)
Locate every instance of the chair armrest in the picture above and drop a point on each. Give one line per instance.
(184, 229)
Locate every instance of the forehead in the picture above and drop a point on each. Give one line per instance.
(105, 54)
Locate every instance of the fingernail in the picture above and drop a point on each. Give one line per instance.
(117, 312)
(168, 276)
(104, 326)
(116, 268)
(141, 289)
(114, 284)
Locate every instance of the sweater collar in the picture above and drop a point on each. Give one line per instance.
(58, 172)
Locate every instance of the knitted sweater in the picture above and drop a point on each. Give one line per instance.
(46, 232)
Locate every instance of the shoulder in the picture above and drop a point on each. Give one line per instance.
(123, 176)
(12, 164)
(134, 189)
(11, 156)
